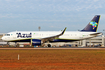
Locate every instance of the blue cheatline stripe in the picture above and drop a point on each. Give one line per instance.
(56, 40)
(25, 40)
(63, 40)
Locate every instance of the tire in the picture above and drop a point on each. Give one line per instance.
(49, 45)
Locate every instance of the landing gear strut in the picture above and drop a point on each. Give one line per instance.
(8, 44)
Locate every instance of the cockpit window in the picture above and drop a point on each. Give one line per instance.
(7, 34)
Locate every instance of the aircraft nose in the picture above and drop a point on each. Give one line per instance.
(2, 38)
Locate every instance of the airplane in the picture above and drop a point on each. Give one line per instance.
(41, 37)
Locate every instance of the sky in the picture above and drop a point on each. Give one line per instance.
(50, 15)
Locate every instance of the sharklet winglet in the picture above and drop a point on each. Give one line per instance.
(64, 30)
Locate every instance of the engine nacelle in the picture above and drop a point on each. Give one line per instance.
(36, 42)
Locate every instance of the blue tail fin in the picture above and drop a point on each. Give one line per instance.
(93, 24)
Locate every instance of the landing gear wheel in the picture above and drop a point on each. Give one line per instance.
(49, 45)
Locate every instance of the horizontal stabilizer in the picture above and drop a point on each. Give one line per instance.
(96, 33)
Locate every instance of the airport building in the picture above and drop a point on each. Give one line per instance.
(93, 42)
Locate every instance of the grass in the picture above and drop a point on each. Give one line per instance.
(52, 59)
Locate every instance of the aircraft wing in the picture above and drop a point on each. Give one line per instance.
(52, 37)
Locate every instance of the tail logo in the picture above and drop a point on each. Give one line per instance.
(94, 24)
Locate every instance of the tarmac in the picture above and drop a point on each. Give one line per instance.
(83, 48)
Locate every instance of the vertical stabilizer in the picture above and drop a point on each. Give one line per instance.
(93, 24)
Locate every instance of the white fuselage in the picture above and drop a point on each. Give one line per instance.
(68, 35)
